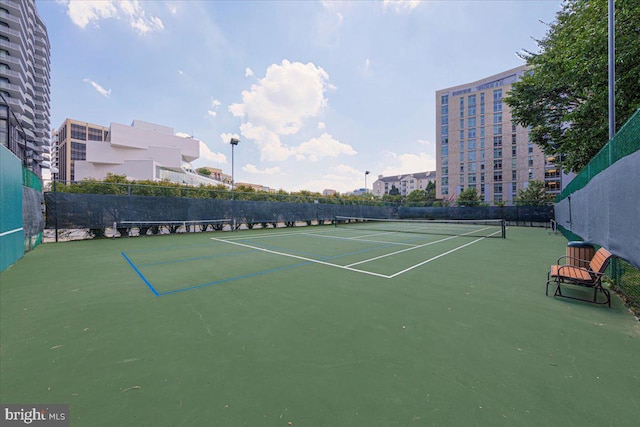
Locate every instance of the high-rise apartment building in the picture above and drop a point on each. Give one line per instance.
(70, 145)
(24, 82)
(479, 146)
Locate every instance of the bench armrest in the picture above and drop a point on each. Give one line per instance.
(568, 257)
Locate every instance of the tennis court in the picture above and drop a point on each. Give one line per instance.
(313, 326)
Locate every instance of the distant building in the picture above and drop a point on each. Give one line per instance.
(217, 174)
(405, 183)
(478, 145)
(24, 83)
(141, 151)
(328, 192)
(70, 145)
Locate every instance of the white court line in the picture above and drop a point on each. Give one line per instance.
(350, 266)
(302, 258)
(358, 239)
(440, 256)
(403, 250)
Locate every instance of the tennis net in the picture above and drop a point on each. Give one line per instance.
(471, 228)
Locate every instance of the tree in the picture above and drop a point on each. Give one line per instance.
(564, 100)
(416, 198)
(394, 191)
(469, 197)
(534, 195)
(204, 171)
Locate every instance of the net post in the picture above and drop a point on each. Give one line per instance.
(115, 225)
(503, 226)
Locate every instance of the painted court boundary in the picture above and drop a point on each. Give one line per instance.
(307, 261)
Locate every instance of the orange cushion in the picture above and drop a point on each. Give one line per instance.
(571, 272)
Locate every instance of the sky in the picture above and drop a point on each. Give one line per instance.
(317, 92)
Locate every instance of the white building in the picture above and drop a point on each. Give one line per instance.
(142, 151)
(405, 183)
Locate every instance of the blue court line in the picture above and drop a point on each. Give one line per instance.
(144, 279)
(231, 279)
(196, 258)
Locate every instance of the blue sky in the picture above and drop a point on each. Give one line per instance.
(317, 92)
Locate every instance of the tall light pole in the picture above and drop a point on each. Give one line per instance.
(233, 142)
(365, 181)
(54, 173)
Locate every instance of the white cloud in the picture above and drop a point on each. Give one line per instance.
(324, 146)
(279, 104)
(322, 125)
(269, 144)
(248, 72)
(250, 168)
(396, 164)
(342, 178)
(85, 12)
(102, 91)
(207, 156)
(215, 104)
(289, 93)
(400, 6)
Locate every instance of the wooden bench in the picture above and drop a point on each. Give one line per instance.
(590, 277)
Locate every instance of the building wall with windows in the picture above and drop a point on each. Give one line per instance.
(70, 145)
(24, 83)
(404, 183)
(479, 146)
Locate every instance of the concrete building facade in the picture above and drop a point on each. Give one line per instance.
(478, 145)
(405, 183)
(24, 83)
(140, 151)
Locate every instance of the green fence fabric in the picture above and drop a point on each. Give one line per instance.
(11, 232)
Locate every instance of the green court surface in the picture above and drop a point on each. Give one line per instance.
(313, 326)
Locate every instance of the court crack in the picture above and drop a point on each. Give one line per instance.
(206, 325)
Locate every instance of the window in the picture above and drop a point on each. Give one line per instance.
(445, 180)
(514, 151)
(78, 151)
(471, 179)
(497, 141)
(497, 164)
(471, 111)
(471, 144)
(462, 156)
(497, 176)
(445, 170)
(497, 188)
(530, 161)
(78, 132)
(444, 99)
(514, 175)
(473, 167)
(482, 120)
(445, 191)
(461, 146)
(471, 133)
(471, 122)
(461, 168)
(472, 156)
(471, 99)
(461, 123)
(444, 120)
(497, 129)
(497, 118)
(445, 150)
(444, 109)
(530, 148)
(461, 134)
(445, 130)
(482, 177)
(95, 134)
(497, 153)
